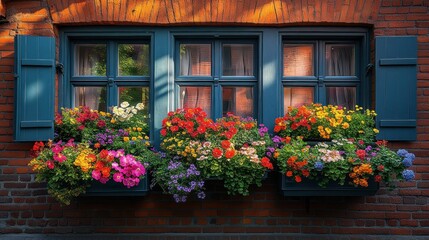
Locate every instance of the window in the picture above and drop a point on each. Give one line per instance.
(323, 71)
(220, 76)
(106, 73)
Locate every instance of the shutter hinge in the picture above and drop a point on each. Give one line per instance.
(368, 68)
(59, 67)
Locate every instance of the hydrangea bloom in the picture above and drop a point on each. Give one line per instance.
(408, 175)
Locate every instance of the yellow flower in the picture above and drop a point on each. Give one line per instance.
(133, 138)
(328, 130)
(139, 129)
(376, 130)
(349, 118)
(126, 139)
(147, 144)
(112, 121)
(346, 125)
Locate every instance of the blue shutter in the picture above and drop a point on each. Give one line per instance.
(396, 87)
(34, 88)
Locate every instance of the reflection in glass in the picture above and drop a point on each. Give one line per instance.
(237, 100)
(340, 60)
(133, 59)
(195, 59)
(192, 97)
(134, 95)
(92, 97)
(90, 60)
(297, 96)
(342, 96)
(237, 59)
(298, 60)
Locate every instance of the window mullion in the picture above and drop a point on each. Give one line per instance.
(112, 56)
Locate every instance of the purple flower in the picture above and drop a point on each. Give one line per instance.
(277, 139)
(262, 130)
(408, 175)
(201, 195)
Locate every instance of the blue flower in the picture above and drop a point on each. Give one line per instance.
(410, 156)
(402, 152)
(407, 162)
(408, 175)
(318, 166)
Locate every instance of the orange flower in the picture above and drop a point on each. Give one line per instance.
(298, 179)
(289, 173)
(226, 144)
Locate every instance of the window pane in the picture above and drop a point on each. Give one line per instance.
(297, 96)
(133, 59)
(192, 97)
(134, 95)
(237, 100)
(90, 60)
(195, 59)
(92, 97)
(237, 59)
(342, 96)
(298, 60)
(340, 60)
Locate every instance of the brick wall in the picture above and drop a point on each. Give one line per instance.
(25, 207)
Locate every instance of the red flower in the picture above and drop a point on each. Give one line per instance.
(105, 171)
(163, 132)
(277, 128)
(97, 145)
(37, 146)
(201, 129)
(228, 135)
(298, 179)
(217, 153)
(226, 144)
(361, 154)
(101, 124)
(380, 168)
(266, 163)
(81, 127)
(377, 178)
(50, 164)
(248, 126)
(305, 173)
(289, 173)
(230, 153)
(174, 128)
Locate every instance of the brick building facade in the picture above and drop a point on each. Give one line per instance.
(26, 210)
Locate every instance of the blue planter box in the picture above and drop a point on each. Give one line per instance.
(311, 188)
(112, 188)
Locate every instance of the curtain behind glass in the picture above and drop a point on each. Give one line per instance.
(340, 61)
(237, 60)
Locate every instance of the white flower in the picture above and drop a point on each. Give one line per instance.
(134, 111)
(140, 106)
(125, 104)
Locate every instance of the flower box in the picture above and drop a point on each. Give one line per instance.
(112, 188)
(308, 187)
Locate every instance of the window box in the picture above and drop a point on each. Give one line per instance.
(112, 188)
(310, 187)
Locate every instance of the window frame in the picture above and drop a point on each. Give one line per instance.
(356, 36)
(217, 79)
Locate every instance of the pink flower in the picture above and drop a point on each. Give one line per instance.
(118, 177)
(60, 157)
(50, 164)
(96, 174)
(120, 153)
(103, 180)
(70, 143)
(116, 166)
(57, 148)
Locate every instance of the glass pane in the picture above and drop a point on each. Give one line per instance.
(237, 59)
(134, 95)
(342, 96)
(237, 100)
(133, 59)
(192, 97)
(298, 60)
(340, 60)
(297, 96)
(195, 59)
(90, 60)
(92, 97)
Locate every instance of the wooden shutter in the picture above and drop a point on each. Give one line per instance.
(34, 88)
(396, 87)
